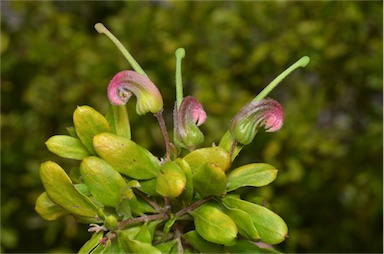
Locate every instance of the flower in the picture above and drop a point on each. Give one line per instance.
(124, 83)
(266, 112)
(187, 118)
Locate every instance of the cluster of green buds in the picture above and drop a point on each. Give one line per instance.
(186, 202)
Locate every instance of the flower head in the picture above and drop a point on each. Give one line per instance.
(187, 118)
(124, 83)
(267, 112)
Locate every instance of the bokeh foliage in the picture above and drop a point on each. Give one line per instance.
(329, 151)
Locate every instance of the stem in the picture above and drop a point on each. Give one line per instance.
(161, 216)
(180, 54)
(302, 62)
(191, 207)
(100, 28)
(178, 239)
(160, 119)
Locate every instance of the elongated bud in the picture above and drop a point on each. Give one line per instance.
(187, 118)
(267, 112)
(124, 83)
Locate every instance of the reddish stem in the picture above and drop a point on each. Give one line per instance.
(160, 119)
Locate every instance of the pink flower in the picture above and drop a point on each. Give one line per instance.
(124, 83)
(187, 118)
(267, 112)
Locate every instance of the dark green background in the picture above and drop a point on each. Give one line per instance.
(329, 151)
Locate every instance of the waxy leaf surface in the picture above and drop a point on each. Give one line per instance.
(244, 223)
(215, 155)
(187, 194)
(104, 183)
(271, 228)
(214, 225)
(245, 246)
(67, 147)
(209, 180)
(117, 116)
(61, 190)
(135, 246)
(48, 209)
(200, 244)
(88, 122)
(126, 156)
(91, 243)
(256, 174)
(171, 180)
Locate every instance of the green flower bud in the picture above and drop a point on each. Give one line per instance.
(111, 223)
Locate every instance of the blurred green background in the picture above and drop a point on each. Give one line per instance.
(329, 152)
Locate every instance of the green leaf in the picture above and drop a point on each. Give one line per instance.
(104, 183)
(245, 246)
(137, 205)
(215, 155)
(83, 189)
(171, 180)
(187, 195)
(88, 122)
(200, 244)
(91, 243)
(227, 142)
(126, 156)
(271, 227)
(118, 118)
(214, 225)
(67, 147)
(135, 246)
(166, 247)
(256, 174)
(61, 190)
(144, 235)
(48, 209)
(244, 223)
(113, 246)
(72, 132)
(124, 209)
(149, 187)
(168, 225)
(209, 180)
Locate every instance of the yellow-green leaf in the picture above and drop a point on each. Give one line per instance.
(215, 155)
(187, 195)
(104, 183)
(200, 244)
(118, 118)
(214, 225)
(91, 243)
(88, 122)
(61, 190)
(48, 209)
(67, 147)
(256, 174)
(244, 223)
(270, 226)
(171, 180)
(135, 246)
(126, 156)
(209, 180)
